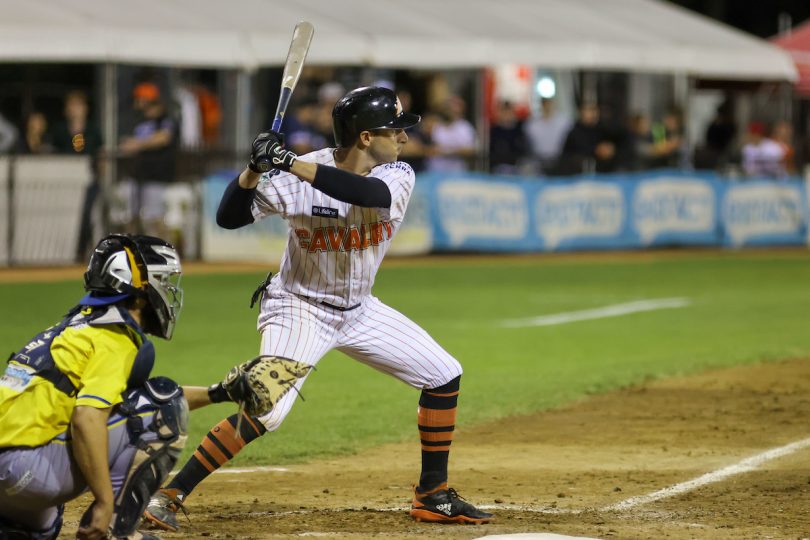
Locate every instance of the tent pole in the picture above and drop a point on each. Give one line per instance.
(109, 127)
(244, 104)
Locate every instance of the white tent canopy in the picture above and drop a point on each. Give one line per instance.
(628, 35)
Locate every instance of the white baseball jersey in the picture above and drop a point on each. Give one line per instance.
(334, 248)
(333, 253)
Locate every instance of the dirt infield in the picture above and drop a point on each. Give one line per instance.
(557, 471)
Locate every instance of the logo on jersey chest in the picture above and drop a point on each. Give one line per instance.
(324, 211)
(345, 238)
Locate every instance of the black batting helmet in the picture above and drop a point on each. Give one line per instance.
(370, 107)
(124, 265)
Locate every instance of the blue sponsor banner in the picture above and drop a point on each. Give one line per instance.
(470, 211)
(764, 213)
(480, 212)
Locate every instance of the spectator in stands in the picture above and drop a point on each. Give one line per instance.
(76, 134)
(153, 148)
(210, 113)
(415, 151)
(507, 142)
(668, 141)
(8, 135)
(587, 147)
(641, 142)
(762, 156)
(453, 139)
(546, 133)
(783, 136)
(718, 148)
(190, 125)
(301, 134)
(36, 139)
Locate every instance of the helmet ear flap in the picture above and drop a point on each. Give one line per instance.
(116, 267)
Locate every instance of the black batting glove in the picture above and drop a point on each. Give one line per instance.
(259, 155)
(280, 158)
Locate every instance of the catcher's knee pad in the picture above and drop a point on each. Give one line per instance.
(158, 446)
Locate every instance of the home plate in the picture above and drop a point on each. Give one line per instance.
(534, 536)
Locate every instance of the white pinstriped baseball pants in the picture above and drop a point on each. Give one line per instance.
(374, 334)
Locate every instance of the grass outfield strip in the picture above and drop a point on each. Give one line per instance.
(744, 309)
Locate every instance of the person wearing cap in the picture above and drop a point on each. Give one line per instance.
(153, 148)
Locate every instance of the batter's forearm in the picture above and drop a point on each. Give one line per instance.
(235, 208)
(89, 434)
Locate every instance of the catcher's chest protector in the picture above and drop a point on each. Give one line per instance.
(35, 358)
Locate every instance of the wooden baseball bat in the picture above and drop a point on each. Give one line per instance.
(299, 46)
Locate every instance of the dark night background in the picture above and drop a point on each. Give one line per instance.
(760, 18)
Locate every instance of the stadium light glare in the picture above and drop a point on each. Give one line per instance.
(546, 87)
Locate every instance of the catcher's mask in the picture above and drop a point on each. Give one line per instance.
(145, 267)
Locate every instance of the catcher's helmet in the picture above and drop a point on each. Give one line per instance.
(370, 107)
(123, 265)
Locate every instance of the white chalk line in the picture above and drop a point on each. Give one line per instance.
(243, 470)
(517, 507)
(746, 465)
(615, 310)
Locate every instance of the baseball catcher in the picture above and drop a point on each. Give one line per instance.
(79, 410)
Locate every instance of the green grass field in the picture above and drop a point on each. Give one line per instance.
(745, 308)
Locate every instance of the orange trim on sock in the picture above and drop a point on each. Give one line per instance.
(253, 424)
(213, 451)
(437, 417)
(418, 493)
(226, 434)
(436, 448)
(205, 463)
(436, 437)
(450, 394)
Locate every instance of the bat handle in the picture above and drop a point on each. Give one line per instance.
(281, 110)
(283, 102)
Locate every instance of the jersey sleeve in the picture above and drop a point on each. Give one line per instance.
(108, 368)
(400, 179)
(275, 194)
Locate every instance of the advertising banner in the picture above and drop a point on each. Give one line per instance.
(480, 212)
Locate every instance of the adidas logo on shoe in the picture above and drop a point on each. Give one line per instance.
(446, 508)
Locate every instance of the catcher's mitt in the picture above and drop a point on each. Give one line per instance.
(258, 384)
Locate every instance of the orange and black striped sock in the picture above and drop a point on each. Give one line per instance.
(219, 446)
(437, 420)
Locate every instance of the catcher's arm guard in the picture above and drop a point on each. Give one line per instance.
(258, 384)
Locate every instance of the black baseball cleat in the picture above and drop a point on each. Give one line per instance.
(162, 510)
(445, 505)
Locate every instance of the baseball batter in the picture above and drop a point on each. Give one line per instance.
(343, 206)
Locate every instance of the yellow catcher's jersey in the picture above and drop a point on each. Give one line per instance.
(97, 360)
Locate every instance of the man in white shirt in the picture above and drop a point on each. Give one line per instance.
(453, 139)
(762, 156)
(546, 133)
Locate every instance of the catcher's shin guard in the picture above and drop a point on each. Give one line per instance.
(158, 448)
